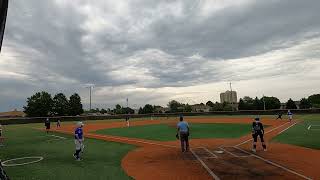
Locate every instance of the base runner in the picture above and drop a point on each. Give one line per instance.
(257, 130)
(78, 140)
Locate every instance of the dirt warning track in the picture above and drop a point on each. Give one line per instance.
(163, 160)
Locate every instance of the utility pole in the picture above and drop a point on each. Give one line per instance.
(90, 89)
(127, 106)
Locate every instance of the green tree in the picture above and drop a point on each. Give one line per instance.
(103, 111)
(60, 105)
(271, 102)
(140, 111)
(188, 108)
(128, 110)
(148, 109)
(39, 104)
(257, 104)
(305, 103)
(241, 105)
(248, 102)
(174, 106)
(209, 103)
(314, 100)
(75, 105)
(217, 107)
(290, 104)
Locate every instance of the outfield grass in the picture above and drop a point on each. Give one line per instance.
(101, 159)
(300, 135)
(164, 132)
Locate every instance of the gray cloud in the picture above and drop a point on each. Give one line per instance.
(131, 49)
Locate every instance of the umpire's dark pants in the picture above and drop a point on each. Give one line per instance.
(184, 138)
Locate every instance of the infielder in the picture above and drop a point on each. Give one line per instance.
(257, 130)
(78, 140)
(127, 120)
(47, 124)
(183, 133)
(279, 116)
(290, 115)
(58, 123)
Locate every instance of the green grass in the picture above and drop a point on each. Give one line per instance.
(164, 132)
(300, 135)
(101, 160)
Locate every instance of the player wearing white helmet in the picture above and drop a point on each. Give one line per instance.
(78, 140)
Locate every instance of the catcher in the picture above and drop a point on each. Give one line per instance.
(257, 130)
(183, 133)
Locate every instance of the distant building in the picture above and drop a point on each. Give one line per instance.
(229, 97)
(14, 113)
(200, 108)
(159, 109)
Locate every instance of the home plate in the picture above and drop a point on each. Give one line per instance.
(218, 152)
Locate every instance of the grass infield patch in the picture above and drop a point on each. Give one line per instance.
(165, 132)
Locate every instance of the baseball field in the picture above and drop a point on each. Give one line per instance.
(148, 149)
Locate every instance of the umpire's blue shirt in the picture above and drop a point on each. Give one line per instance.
(183, 126)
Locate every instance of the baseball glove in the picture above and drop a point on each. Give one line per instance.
(177, 136)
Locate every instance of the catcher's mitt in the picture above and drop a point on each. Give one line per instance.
(177, 136)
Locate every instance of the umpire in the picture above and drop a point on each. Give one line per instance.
(183, 132)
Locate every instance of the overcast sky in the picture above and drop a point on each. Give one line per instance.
(153, 51)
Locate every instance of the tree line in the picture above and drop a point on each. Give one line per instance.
(42, 104)
(248, 103)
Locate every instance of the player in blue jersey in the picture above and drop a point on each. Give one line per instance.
(78, 140)
(290, 115)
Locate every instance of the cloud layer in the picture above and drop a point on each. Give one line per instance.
(154, 51)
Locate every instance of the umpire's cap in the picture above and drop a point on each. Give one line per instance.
(181, 117)
(257, 119)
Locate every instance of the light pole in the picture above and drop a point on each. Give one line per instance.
(90, 89)
(264, 104)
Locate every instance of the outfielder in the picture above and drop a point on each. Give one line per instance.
(257, 130)
(78, 140)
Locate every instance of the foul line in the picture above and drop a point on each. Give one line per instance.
(287, 128)
(205, 166)
(60, 137)
(133, 140)
(275, 164)
(244, 142)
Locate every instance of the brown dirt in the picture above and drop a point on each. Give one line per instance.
(163, 160)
